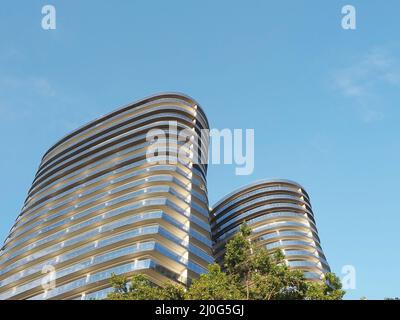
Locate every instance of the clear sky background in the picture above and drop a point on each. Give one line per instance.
(324, 102)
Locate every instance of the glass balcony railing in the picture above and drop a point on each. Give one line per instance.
(248, 213)
(96, 208)
(82, 282)
(99, 244)
(259, 200)
(84, 236)
(77, 193)
(253, 193)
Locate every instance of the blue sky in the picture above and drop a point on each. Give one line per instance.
(324, 102)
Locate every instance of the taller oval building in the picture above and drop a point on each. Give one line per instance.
(97, 206)
(280, 215)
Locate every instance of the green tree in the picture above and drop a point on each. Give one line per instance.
(264, 275)
(141, 288)
(172, 291)
(329, 289)
(261, 275)
(119, 284)
(238, 251)
(214, 285)
(249, 272)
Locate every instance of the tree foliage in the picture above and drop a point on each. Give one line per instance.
(214, 285)
(249, 272)
(141, 288)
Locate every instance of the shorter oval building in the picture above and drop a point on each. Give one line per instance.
(280, 215)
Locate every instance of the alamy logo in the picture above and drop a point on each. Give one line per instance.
(349, 277)
(49, 279)
(189, 147)
(349, 18)
(49, 18)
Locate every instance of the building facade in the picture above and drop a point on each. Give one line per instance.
(97, 206)
(280, 215)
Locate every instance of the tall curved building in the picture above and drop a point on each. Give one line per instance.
(97, 207)
(280, 215)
